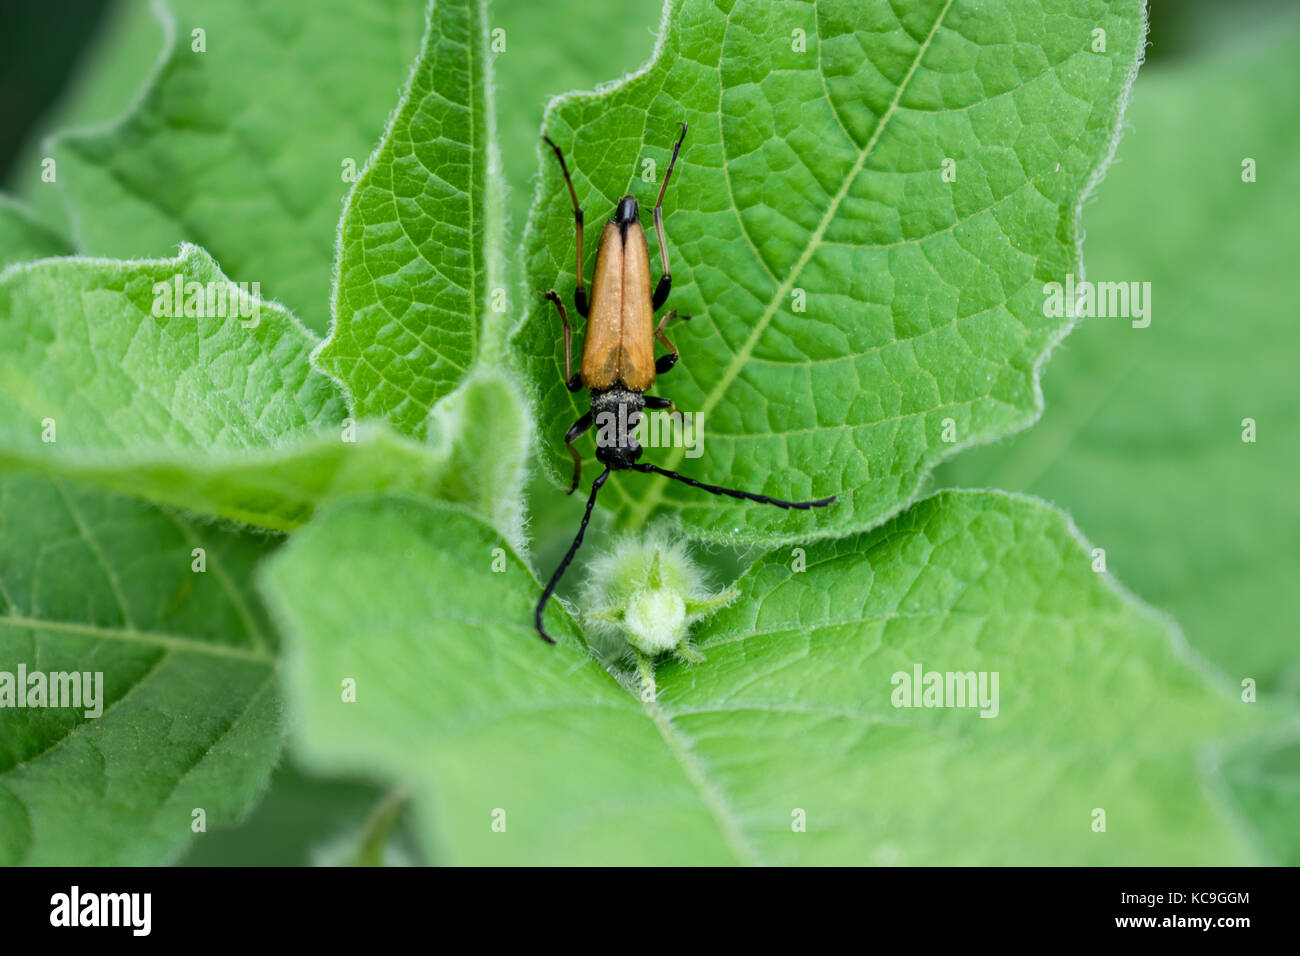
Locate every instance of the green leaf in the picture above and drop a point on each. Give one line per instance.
(105, 346)
(479, 439)
(814, 180)
(1143, 435)
(456, 696)
(112, 588)
(542, 59)
(241, 147)
(1263, 776)
(110, 73)
(94, 383)
(419, 244)
(276, 488)
(301, 821)
(23, 237)
(204, 413)
(95, 583)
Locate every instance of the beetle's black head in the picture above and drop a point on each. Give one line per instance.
(617, 457)
(616, 412)
(626, 214)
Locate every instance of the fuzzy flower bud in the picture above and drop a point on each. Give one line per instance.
(646, 593)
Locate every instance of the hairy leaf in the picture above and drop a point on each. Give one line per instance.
(205, 413)
(419, 267)
(519, 752)
(106, 372)
(93, 583)
(23, 237)
(128, 359)
(1145, 435)
(241, 146)
(858, 317)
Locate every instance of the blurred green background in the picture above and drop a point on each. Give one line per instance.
(1141, 437)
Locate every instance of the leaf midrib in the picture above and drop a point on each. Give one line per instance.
(710, 794)
(174, 642)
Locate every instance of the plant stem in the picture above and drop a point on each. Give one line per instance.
(646, 668)
(370, 848)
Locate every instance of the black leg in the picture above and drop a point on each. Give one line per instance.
(665, 362)
(664, 286)
(571, 381)
(568, 558)
(666, 280)
(659, 402)
(576, 431)
(732, 492)
(579, 292)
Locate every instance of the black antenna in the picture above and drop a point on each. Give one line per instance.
(564, 565)
(648, 468)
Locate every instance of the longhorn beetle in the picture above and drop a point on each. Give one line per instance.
(618, 362)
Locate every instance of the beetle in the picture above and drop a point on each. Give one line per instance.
(618, 361)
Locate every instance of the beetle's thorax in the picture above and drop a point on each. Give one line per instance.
(615, 413)
(626, 213)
